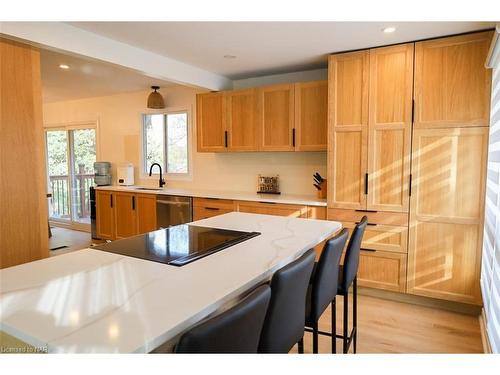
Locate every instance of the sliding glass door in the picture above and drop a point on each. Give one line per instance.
(71, 153)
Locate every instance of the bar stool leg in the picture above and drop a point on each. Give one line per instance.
(355, 310)
(315, 338)
(334, 326)
(346, 323)
(301, 346)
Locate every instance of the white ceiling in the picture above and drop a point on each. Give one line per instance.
(262, 48)
(266, 47)
(87, 78)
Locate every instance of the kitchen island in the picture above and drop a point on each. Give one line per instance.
(93, 301)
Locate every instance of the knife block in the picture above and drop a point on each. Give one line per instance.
(322, 193)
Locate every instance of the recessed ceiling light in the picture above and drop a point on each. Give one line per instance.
(229, 56)
(390, 29)
(64, 66)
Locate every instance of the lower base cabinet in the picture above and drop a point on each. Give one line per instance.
(123, 214)
(382, 270)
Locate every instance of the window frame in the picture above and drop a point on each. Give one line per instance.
(144, 174)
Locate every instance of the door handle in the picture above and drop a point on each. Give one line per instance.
(133, 202)
(366, 183)
(225, 138)
(111, 200)
(293, 137)
(212, 208)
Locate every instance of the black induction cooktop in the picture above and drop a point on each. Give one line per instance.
(177, 245)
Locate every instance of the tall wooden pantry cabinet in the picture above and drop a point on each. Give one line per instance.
(407, 143)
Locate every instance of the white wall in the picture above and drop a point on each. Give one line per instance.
(119, 123)
(490, 270)
(303, 76)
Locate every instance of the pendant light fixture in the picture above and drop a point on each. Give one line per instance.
(155, 100)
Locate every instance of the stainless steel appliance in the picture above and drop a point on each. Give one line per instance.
(93, 230)
(177, 245)
(173, 210)
(102, 173)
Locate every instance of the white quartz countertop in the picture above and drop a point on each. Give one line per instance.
(92, 301)
(305, 200)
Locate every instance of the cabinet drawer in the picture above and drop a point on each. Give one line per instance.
(277, 209)
(224, 204)
(383, 237)
(200, 213)
(374, 217)
(382, 270)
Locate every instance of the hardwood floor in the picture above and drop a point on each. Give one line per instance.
(395, 327)
(72, 239)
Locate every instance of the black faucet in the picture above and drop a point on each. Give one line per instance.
(162, 181)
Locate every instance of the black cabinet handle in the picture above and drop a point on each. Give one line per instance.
(369, 250)
(225, 138)
(133, 202)
(371, 224)
(111, 200)
(267, 202)
(365, 211)
(293, 137)
(366, 183)
(409, 188)
(212, 208)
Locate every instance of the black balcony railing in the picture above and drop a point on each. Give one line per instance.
(60, 200)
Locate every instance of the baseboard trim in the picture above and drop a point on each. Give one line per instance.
(484, 333)
(462, 308)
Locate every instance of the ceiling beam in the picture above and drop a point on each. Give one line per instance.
(67, 38)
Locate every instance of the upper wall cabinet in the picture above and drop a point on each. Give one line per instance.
(452, 87)
(291, 117)
(241, 116)
(276, 117)
(211, 122)
(311, 110)
(348, 121)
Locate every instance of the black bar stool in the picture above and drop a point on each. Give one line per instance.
(284, 323)
(323, 287)
(236, 330)
(347, 277)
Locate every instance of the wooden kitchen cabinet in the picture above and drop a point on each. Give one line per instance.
(389, 127)
(276, 117)
(452, 85)
(146, 213)
(382, 270)
(211, 122)
(447, 212)
(241, 120)
(268, 208)
(105, 226)
(125, 214)
(203, 208)
(348, 122)
(311, 112)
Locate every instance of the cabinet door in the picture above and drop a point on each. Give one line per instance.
(382, 270)
(125, 214)
(311, 112)
(276, 117)
(146, 212)
(210, 122)
(389, 127)
(446, 213)
(347, 129)
(452, 84)
(242, 129)
(104, 214)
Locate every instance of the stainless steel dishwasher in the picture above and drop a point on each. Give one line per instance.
(173, 210)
